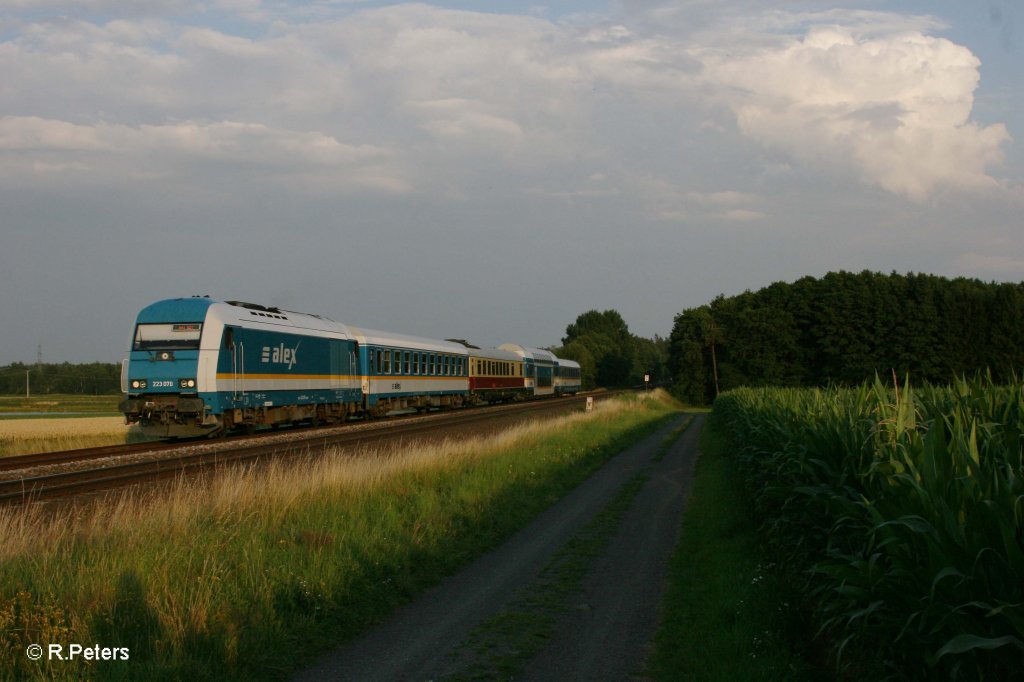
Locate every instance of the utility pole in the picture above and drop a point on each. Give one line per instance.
(27, 393)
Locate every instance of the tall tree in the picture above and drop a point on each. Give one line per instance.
(606, 336)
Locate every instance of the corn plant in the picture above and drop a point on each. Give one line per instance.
(904, 511)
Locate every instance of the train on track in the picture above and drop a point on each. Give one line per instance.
(198, 366)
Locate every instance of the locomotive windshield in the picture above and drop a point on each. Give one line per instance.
(176, 336)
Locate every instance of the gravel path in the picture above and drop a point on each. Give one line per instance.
(605, 631)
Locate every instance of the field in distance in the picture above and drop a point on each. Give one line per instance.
(19, 406)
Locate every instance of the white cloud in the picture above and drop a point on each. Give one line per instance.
(894, 108)
(48, 146)
(452, 94)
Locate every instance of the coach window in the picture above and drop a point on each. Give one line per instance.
(387, 362)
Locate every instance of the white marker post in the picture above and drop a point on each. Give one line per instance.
(590, 403)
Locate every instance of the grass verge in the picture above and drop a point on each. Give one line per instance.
(251, 574)
(727, 613)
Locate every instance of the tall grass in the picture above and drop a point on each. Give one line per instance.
(906, 510)
(246, 575)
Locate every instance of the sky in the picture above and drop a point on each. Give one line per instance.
(490, 170)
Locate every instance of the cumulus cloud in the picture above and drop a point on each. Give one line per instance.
(895, 108)
(450, 94)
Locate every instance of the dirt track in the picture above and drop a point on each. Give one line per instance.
(599, 629)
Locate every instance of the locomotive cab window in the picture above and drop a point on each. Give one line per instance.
(176, 336)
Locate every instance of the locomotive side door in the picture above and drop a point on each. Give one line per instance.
(233, 346)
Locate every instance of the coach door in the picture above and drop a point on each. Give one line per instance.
(236, 348)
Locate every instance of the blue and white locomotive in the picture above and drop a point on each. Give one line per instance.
(197, 367)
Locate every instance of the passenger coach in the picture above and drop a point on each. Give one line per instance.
(496, 375)
(568, 378)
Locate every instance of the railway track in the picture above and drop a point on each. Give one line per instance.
(198, 456)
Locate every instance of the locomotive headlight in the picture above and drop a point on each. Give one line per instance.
(139, 383)
(186, 383)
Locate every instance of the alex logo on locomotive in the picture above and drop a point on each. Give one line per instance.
(281, 355)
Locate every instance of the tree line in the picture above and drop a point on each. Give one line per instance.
(845, 327)
(96, 378)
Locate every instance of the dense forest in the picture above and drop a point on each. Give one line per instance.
(843, 328)
(95, 378)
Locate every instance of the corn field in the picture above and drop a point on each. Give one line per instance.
(902, 510)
